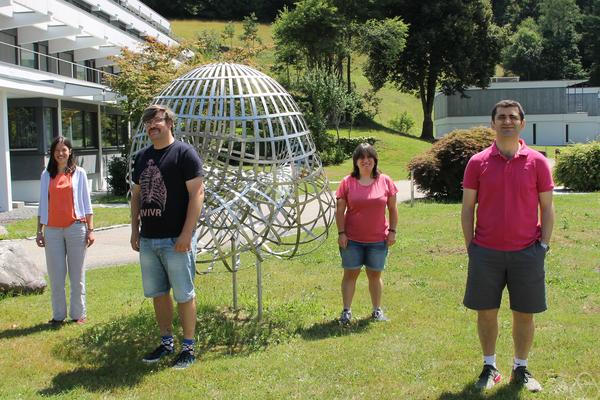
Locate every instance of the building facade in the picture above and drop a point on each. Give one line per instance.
(557, 112)
(53, 68)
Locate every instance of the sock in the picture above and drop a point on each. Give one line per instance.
(490, 360)
(167, 341)
(519, 363)
(376, 309)
(188, 345)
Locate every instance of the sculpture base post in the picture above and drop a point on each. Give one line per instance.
(259, 287)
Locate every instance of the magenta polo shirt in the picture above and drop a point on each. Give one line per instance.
(507, 196)
(365, 208)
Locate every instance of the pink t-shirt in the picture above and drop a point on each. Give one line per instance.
(365, 208)
(507, 196)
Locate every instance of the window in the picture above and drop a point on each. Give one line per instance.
(28, 57)
(44, 61)
(8, 53)
(49, 124)
(22, 129)
(114, 130)
(80, 127)
(65, 68)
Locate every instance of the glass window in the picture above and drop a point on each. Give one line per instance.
(90, 127)
(81, 127)
(28, 57)
(65, 68)
(114, 130)
(44, 61)
(22, 130)
(8, 53)
(49, 124)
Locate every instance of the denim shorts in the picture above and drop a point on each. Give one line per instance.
(371, 255)
(163, 268)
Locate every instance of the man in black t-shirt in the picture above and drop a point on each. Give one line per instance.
(167, 198)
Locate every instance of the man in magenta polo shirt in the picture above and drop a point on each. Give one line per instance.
(509, 182)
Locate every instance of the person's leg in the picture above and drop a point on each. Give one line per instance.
(375, 287)
(56, 265)
(76, 249)
(163, 310)
(349, 286)
(523, 331)
(487, 329)
(187, 315)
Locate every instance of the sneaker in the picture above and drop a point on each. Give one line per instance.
(55, 322)
(184, 360)
(378, 316)
(157, 354)
(488, 378)
(346, 317)
(522, 377)
(80, 321)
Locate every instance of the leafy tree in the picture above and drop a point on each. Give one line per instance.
(560, 55)
(450, 45)
(250, 28)
(228, 33)
(311, 32)
(519, 10)
(523, 54)
(590, 44)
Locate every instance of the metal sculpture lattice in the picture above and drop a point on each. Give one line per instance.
(265, 188)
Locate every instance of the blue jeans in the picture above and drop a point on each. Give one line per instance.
(371, 255)
(163, 268)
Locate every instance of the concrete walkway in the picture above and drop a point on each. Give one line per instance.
(112, 244)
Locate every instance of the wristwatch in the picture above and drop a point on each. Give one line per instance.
(545, 246)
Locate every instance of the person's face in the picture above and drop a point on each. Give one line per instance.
(158, 128)
(365, 163)
(61, 154)
(508, 122)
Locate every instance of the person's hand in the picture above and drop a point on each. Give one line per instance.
(391, 239)
(135, 240)
(40, 240)
(90, 238)
(343, 240)
(183, 243)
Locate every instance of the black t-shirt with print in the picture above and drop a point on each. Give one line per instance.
(164, 197)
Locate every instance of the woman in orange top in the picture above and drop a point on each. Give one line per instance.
(65, 229)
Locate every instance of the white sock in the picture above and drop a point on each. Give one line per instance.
(519, 363)
(490, 360)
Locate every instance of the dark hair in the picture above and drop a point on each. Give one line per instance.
(52, 164)
(364, 149)
(151, 111)
(508, 103)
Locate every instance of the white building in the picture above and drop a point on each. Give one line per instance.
(557, 112)
(53, 64)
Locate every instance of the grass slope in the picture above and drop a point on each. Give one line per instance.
(429, 349)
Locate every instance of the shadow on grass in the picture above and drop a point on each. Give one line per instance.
(29, 330)
(333, 328)
(468, 392)
(109, 355)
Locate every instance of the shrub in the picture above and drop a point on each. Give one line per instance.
(402, 123)
(439, 172)
(578, 167)
(117, 176)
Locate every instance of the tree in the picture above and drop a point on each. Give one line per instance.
(589, 43)
(523, 54)
(250, 28)
(450, 45)
(228, 33)
(560, 57)
(311, 32)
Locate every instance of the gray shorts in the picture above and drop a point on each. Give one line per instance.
(521, 271)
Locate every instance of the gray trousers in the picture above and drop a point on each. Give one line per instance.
(65, 252)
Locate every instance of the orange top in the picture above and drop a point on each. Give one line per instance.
(61, 210)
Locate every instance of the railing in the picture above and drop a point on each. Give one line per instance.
(73, 70)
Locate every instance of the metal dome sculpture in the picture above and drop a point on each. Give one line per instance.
(265, 188)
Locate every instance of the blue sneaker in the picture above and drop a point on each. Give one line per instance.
(157, 354)
(184, 360)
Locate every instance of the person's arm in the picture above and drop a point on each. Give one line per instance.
(547, 216)
(195, 188)
(340, 221)
(135, 217)
(39, 237)
(467, 214)
(393, 216)
(90, 238)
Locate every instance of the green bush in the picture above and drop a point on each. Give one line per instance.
(578, 167)
(403, 123)
(439, 171)
(117, 176)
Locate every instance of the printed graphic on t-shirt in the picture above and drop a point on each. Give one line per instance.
(154, 191)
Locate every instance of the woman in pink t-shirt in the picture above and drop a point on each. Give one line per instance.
(364, 233)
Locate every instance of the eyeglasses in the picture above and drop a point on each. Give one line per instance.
(512, 118)
(153, 121)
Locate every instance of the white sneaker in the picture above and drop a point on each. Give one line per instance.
(378, 316)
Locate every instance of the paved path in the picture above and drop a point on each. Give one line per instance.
(112, 244)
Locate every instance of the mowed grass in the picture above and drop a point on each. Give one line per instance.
(429, 349)
(103, 217)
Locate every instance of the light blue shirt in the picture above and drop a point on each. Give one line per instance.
(81, 195)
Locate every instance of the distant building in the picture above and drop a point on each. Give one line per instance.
(557, 112)
(53, 65)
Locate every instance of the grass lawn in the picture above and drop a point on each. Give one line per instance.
(429, 349)
(102, 217)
